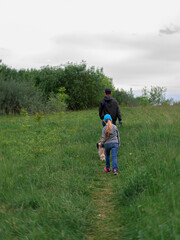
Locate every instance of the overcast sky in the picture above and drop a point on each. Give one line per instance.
(136, 42)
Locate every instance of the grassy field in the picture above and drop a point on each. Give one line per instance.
(52, 184)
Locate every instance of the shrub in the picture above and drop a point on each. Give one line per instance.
(84, 86)
(16, 95)
(125, 98)
(58, 101)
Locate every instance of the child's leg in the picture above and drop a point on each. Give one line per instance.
(107, 150)
(114, 155)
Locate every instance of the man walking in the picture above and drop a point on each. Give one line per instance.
(109, 105)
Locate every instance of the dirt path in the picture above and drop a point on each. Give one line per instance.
(105, 222)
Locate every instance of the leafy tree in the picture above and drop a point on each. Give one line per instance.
(157, 95)
(144, 99)
(48, 79)
(84, 86)
(124, 98)
(6, 72)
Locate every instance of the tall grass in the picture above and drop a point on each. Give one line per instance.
(148, 191)
(47, 168)
(49, 171)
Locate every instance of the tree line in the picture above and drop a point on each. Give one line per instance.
(71, 86)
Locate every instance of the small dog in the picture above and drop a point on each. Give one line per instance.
(101, 151)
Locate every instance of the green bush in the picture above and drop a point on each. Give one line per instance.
(84, 86)
(58, 101)
(15, 96)
(125, 98)
(48, 79)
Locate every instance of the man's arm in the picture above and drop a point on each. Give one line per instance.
(118, 113)
(100, 110)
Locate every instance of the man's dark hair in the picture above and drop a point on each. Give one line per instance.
(107, 91)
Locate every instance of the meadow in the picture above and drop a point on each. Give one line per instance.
(52, 184)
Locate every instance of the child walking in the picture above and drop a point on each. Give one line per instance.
(111, 141)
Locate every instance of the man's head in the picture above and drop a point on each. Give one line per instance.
(107, 91)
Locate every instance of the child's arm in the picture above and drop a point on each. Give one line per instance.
(118, 137)
(103, 137)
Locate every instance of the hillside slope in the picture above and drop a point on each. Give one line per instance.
(53, 185)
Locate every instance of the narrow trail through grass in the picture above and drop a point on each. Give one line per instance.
(105, 222)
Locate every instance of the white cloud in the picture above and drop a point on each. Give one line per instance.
(172, 29)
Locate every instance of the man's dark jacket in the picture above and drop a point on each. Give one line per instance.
(109, 105)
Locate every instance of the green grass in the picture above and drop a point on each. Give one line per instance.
(52, 184)
(148, 191)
